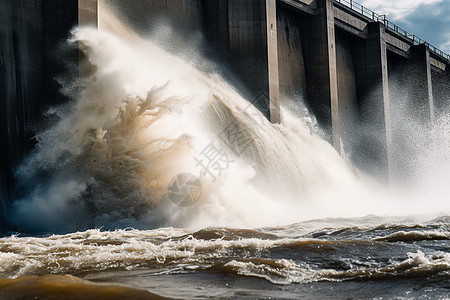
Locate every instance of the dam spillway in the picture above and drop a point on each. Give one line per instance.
(348, 65)
(142, 166)
(352, 67)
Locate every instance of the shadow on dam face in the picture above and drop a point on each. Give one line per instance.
(33, 57)
(209, 34)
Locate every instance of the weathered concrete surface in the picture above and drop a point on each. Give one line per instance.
(308, 6)
(412, 105)
(59, 17)
(376, 107)
(32, 35)
(441, 95)
(321, 74)
(146, 16)
(248, 48)
(291, 31)
(236, 32)
(372, 61)
(347, 92)
(216, 25)
(272, 53)
(21, 72)
(88, 12)
(421, 87)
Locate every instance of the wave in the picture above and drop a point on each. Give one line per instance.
(414, 236)
(94, 250)
(283, 271)
(67, 287)
(246, 253)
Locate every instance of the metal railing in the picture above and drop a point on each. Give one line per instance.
(391, 26)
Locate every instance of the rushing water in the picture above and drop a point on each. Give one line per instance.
(139, 118)
(367, 257)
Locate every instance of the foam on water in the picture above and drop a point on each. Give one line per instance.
(227, 251)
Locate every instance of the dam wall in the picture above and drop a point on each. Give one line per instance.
(21, 84)
(353, 69)
(232, 33)
(32, 35)
(365, 79)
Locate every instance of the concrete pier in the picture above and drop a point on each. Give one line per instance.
(88, 12)
(376, 107)
(441, 85)
(421, 87)
(349, 87)
(272, 54)
(321, 75)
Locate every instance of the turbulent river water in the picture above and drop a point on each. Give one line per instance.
(161, 179)
(369, 257)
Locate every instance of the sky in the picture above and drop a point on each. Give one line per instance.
(427, 19)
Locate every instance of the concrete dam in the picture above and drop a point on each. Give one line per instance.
(354, 70)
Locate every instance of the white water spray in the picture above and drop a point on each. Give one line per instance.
(143, 116)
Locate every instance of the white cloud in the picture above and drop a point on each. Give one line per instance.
(446, 45)
(398, 9)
